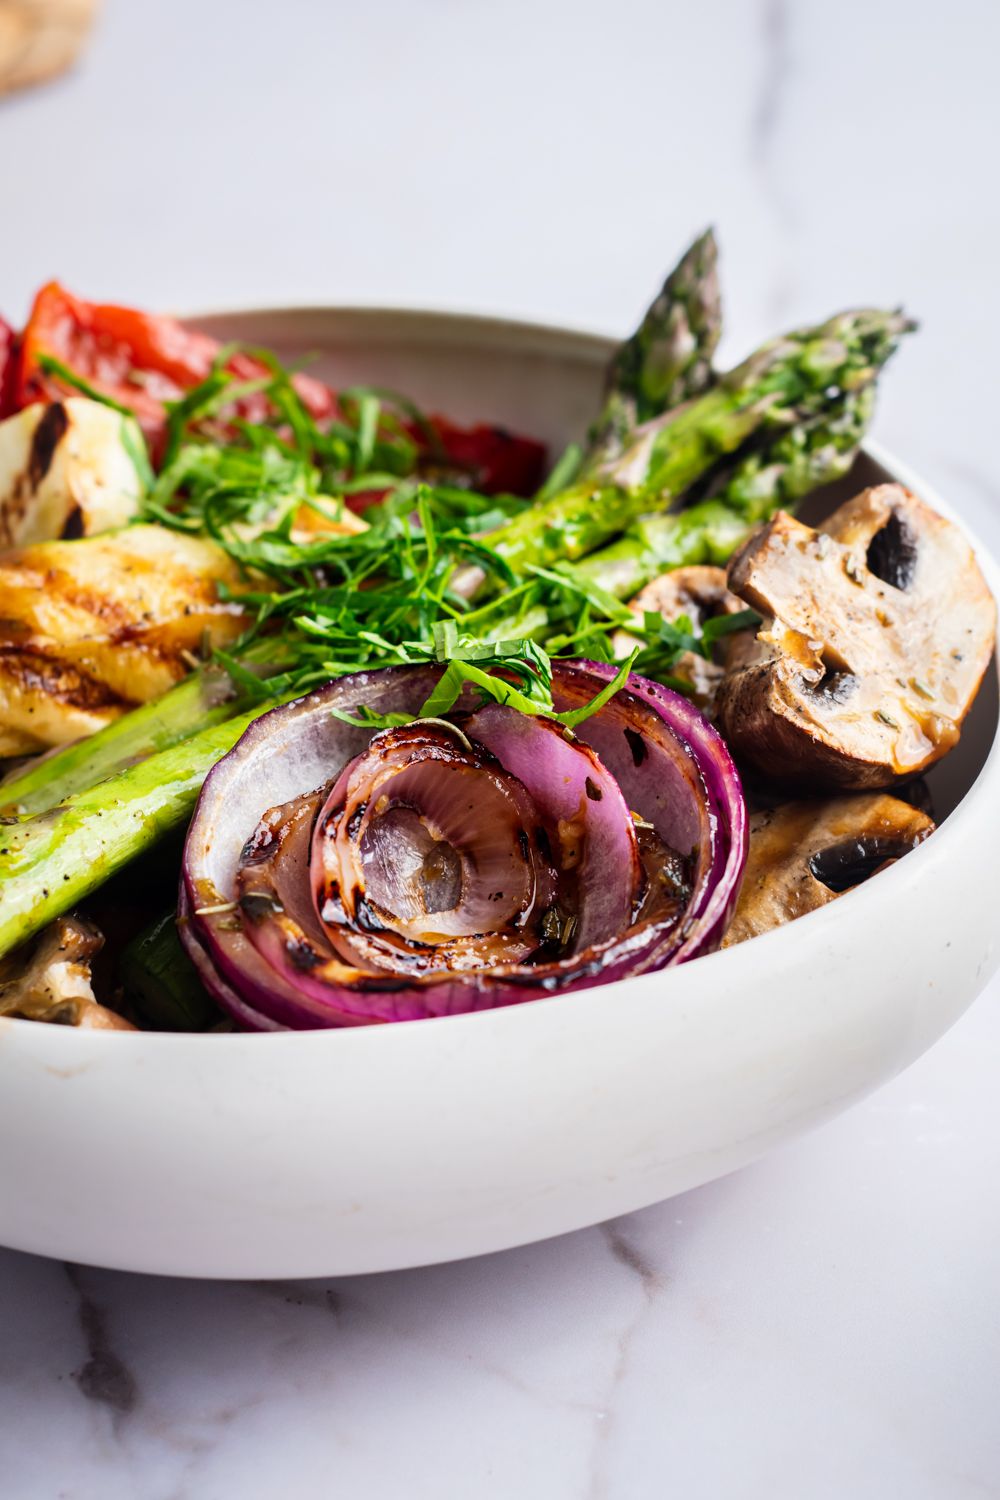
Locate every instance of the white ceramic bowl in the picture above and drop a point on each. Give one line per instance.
(306, 1154)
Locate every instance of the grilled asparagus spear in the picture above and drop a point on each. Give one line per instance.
(50, 862)
(810, 454)
(786, 381)
(205, 698)
(779, 474)
(668, 359)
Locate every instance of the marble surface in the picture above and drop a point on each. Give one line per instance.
(826, 1323)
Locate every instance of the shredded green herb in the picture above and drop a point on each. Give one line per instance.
(55, 367)
(324, 603)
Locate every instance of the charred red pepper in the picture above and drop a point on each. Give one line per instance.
(137, 358)
(484, 458)
(495, 460)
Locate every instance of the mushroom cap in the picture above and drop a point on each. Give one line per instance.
(806, 854)
(876, 634)
(700, 592)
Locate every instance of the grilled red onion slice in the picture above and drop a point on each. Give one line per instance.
(336, 877)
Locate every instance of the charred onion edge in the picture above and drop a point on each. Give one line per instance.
(712, 909)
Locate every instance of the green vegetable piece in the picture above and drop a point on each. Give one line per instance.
(201, 700)
(50, 862)
(668, 359)
(785, 382)
(161, 982)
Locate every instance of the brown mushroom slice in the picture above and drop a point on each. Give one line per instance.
(53, 983)
(876, 635)
(806, 854)
(700, 592)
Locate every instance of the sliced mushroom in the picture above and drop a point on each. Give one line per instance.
(805, 854)
(699, 592)
(53, 983)
(876, 635)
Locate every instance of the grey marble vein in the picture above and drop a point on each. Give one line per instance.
(104, 1376)
(772, 80)
(625, 1251)
(773, 77)
(650, 1280)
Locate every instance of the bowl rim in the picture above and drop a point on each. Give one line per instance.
(599, 343)
(596, 347)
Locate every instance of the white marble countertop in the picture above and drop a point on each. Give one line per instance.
(826, 1323)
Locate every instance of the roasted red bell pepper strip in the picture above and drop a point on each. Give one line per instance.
(496, 461)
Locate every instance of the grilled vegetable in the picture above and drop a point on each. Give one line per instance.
(68, 469)
(786, 381)
(89, 628)
(9, 345)
(138, 360)
(669, 357)
(788, 466)
(455, 865)
(205, 698)
(50, 862)
(160, 982)
(696, 595)
(804, 855)
(876, 634)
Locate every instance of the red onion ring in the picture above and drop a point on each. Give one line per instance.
(274, 958)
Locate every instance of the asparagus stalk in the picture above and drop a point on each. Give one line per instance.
(708, 532)
(786, 381)
(798, 461)
(50, 862)
(668, 359)
(792, 465)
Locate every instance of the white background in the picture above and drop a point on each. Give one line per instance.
(826, 1324)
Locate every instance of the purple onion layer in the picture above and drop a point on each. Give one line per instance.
(647, 758)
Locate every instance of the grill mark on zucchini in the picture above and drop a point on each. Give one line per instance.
(48, 434)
